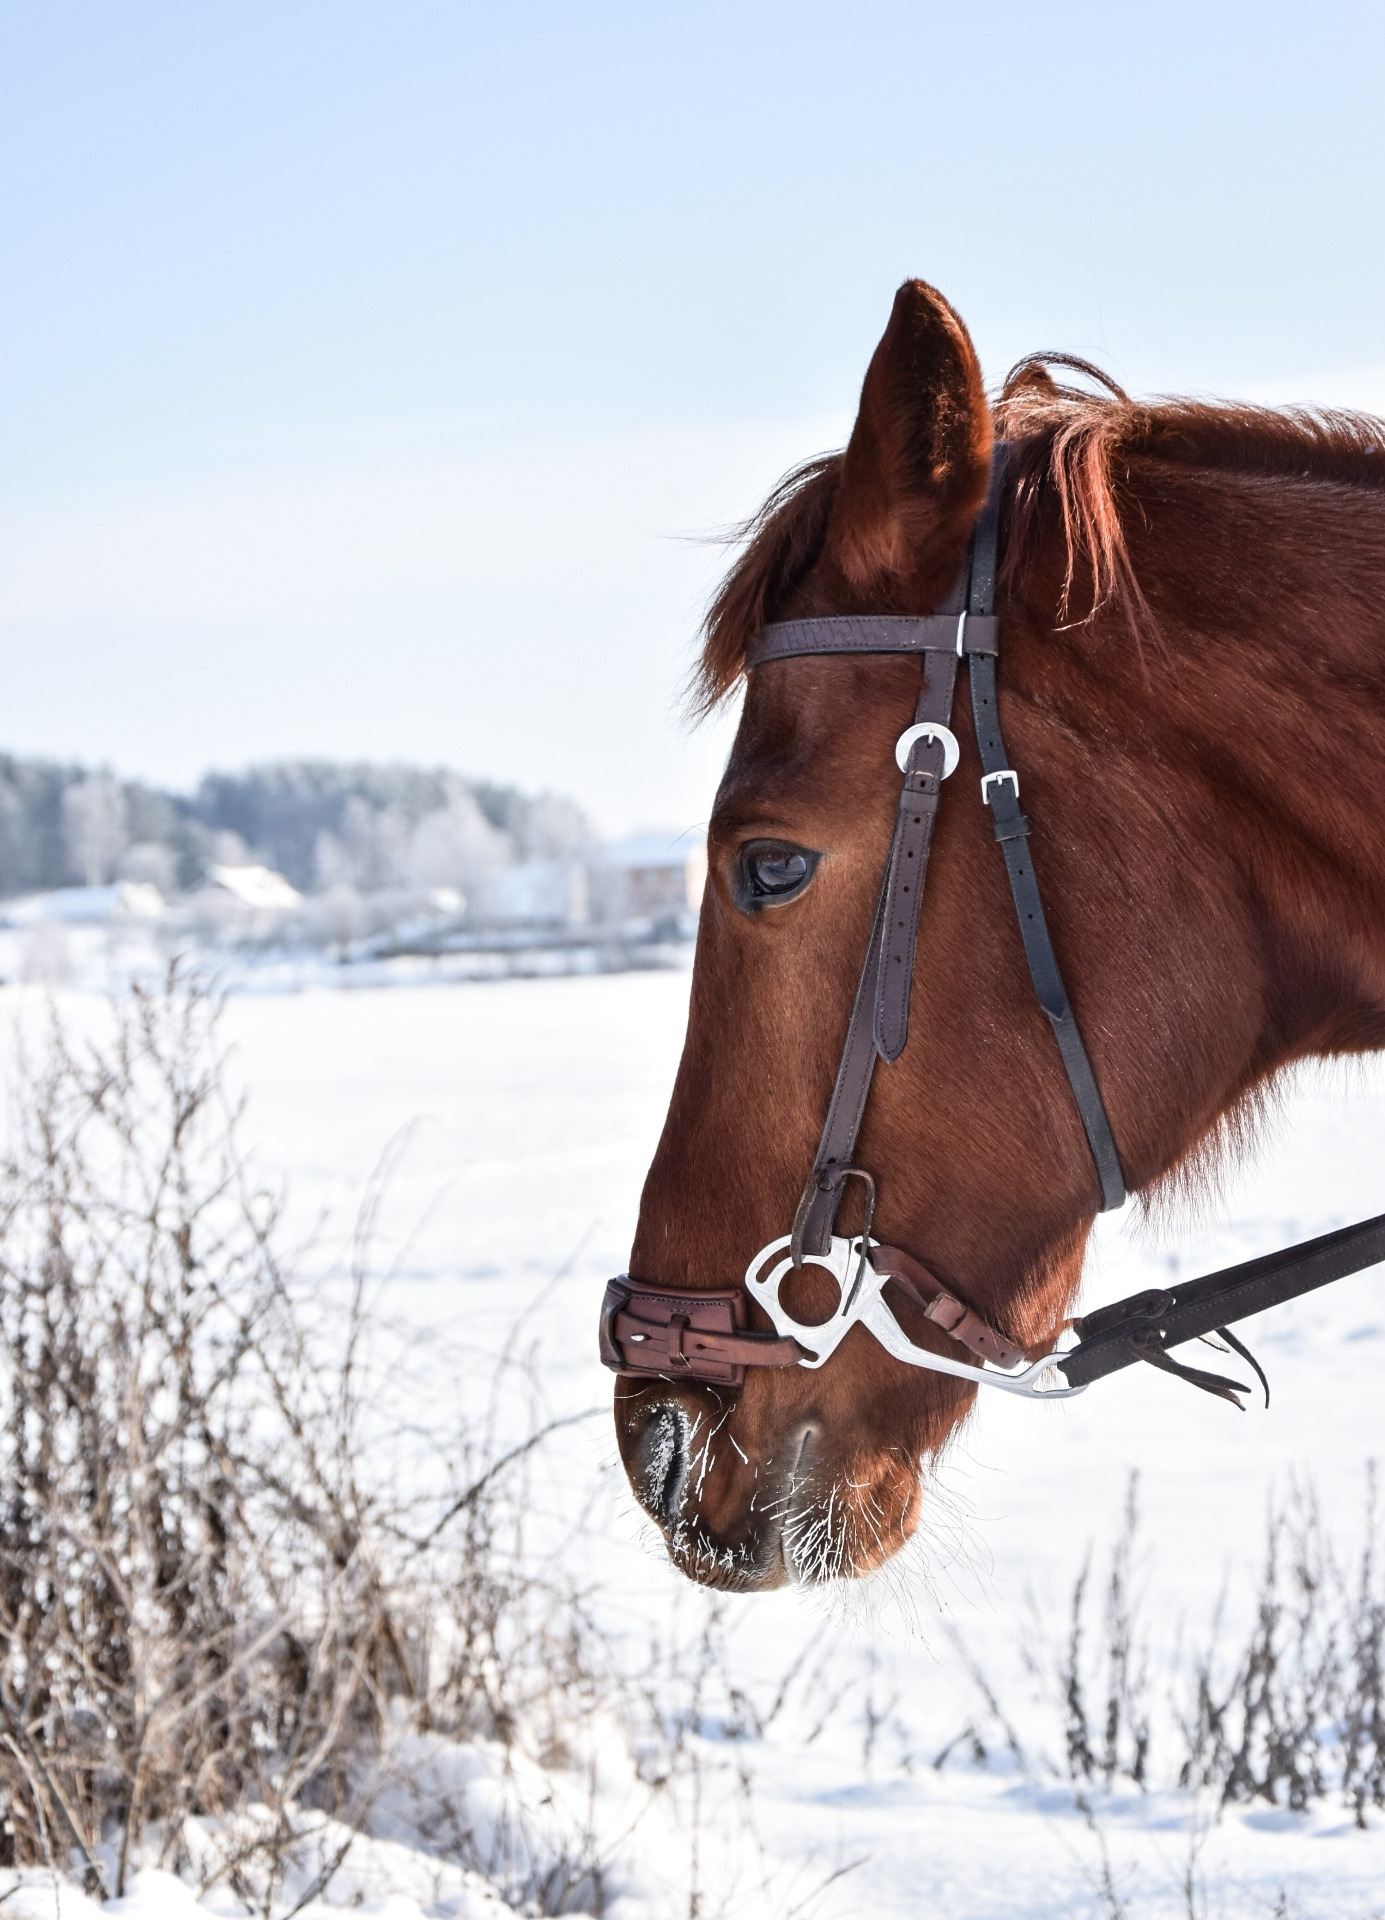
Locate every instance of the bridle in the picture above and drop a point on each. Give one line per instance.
(651, 1330)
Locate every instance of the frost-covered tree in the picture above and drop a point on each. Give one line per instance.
(455, 845)
(154, 865)
(95, 830)
(556, 828)
(32, 852)
(369, 849)
(321, 823)
(542, 828)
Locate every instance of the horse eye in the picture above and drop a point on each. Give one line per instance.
(771, 873)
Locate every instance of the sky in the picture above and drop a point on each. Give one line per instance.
(375, 378)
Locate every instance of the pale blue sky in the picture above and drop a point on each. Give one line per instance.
(365, 364)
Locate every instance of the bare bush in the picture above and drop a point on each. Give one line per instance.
(1299, 1713)
(207, 1603)
(1117, 1742)
(1292, 1712)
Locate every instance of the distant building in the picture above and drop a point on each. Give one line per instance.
(85, 906)
(649, 883)
(652, 877)
(536, 892)
(259, 889)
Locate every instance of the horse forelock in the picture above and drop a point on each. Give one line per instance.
(779, 545)
(1071, 451)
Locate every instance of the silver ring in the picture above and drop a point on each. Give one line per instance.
(928, 730)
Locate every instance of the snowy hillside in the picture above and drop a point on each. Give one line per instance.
(842, 1755)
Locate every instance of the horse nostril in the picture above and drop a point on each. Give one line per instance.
(660, 1458)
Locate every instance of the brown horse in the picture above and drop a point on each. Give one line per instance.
(1192, 687)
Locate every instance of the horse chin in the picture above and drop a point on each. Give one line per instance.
(736, 1527)
(822, 1532)
(752, 1566)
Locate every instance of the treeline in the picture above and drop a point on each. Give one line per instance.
(321, 823)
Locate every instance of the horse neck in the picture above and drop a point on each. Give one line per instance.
(1238, 794)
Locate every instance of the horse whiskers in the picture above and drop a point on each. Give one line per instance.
(833, 1535)
(824, 1530)
(904, 1581)
(690, 1548)
(837, 1537)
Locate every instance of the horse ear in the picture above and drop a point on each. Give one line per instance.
(914, 474)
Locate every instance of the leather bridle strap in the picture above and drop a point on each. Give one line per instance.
(651, 1329)
(945, 1309)
(863, 633)
(879, 1024)
(1000, 789)
(647, 1329)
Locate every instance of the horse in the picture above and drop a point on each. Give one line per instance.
(1191, 599)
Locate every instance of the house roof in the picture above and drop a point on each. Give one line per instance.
(253, 886)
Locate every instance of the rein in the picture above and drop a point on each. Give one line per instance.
(647, 1329)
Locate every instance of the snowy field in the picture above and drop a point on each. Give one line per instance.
(525, 1113)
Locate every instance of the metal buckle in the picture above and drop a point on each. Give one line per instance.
(1005, 773)
(928, 730)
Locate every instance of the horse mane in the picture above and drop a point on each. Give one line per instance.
(1071, 450)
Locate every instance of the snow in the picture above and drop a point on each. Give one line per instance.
(84, 906)
(526, 1112)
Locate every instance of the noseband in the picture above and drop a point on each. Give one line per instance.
(647, 1329)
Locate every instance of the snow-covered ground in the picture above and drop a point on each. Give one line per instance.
(532, 1109)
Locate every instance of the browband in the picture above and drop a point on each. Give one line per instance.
(874, 633)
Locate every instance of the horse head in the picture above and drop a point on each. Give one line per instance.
(981, 1167)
